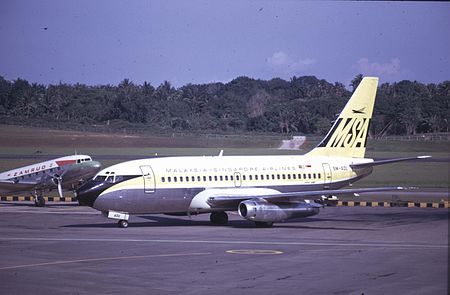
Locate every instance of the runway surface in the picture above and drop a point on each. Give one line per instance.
(343, 250)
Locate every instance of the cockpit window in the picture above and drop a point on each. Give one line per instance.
(100, 178)
(112, 178)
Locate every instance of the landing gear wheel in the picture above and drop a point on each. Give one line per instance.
(218, 218)
(39, 201)
(123, 223)
(263, 224)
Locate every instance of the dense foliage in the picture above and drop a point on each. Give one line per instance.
(302, 105)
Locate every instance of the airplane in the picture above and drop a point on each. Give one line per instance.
(61, 173)
(263, 189)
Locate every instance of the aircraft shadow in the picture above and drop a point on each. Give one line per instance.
(162, 221)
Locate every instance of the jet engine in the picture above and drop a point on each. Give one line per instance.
(263, 211)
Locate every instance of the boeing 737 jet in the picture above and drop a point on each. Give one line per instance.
(65, 173)
(263, 189)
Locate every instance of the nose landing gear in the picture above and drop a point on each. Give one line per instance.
(123, 223)
(120, 216)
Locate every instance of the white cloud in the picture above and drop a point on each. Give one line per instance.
(278, 59)
(377, 69)
(282, 61)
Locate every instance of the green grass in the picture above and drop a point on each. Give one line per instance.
(16, 140)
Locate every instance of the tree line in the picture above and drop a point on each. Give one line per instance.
(305, 105)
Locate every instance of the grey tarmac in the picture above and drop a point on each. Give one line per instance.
(69, 249)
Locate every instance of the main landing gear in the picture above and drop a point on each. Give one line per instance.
(39, 200)
(219, 218)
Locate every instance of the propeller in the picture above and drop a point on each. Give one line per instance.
(57, 179)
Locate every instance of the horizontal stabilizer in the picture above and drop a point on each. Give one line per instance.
(387, 161)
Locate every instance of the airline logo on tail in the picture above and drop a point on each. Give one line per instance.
(349, 133)
(348, 136)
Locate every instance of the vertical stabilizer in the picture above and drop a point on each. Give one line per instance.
(348, 136)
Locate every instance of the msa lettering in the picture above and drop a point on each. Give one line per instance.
(350, 133)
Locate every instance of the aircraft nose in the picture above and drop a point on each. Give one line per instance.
(89, 192)
(93, 167)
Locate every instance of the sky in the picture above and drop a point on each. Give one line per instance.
(104, 42)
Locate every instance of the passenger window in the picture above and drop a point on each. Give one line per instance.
(309, 175)
(215, 178)
(278, 176)
(221, 178)
(163, 179)
(175, 179)
(226, 177)
(199, 178)
(289, 176)
(273, 176)
(181, 178)
(204, 178)
(304, 175)
(294, 176)
(314, 175)
(231, 177)
(299, 176)
(169, 179)
(243, 177)
(250, 177)
(319, 175)
(193, 178)
(256, 177)
(210, 178)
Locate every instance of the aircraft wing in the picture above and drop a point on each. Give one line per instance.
(11, 186)
(388, 161)
(232, 200)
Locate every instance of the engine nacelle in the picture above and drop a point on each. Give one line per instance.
(262, 211)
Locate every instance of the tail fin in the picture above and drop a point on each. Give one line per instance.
(348, 136)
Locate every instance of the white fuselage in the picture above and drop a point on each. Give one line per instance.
(178, 184)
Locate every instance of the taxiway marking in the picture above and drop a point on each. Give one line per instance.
(367, 244)
(255, 252)
(101, 259)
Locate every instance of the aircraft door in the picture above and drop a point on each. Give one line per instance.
(327, 175)
(149, 179)
(237, 179)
